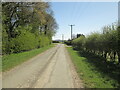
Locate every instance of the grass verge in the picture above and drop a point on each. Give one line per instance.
(12, 60)
(93, 73)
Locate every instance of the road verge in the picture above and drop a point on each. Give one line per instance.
(90, 75)
(10, 61)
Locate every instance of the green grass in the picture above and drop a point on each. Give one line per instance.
(12, 60)
(92, 71)
(0, 63)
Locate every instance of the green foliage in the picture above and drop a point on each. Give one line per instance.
(10, 61)
(44, 40)
(69, 42)
(98, 57)
(54, 41)
(5, 43)
(79, 42)
(93, 72)
(26, 26)
(25, 41)
(104, 44)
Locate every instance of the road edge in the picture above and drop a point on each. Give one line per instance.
(78, 83)
(23, 63)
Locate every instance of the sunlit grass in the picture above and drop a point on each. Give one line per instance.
(92, 76)
(12, 60)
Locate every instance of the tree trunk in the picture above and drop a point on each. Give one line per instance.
(114, 54)
(105, 55)
(119, 57)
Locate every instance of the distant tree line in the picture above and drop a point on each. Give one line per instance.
(105, 44)
(69, 41)
(26, 26)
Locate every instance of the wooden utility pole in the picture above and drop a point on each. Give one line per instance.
(71, 30)
(62, 37)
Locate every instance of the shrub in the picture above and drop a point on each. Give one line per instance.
(103, 44)
(69, 42)
(78, 43)
(24, 42)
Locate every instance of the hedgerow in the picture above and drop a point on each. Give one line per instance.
(104, 44)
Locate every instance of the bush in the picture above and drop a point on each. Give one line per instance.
(24, 42)
(44, 40)
(55, 42)
(5, 43)
(78, 43)
(103, 44)
(69, 42)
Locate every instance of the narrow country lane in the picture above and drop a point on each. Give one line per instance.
(51, 69)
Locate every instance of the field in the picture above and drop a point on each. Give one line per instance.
(12, 60)
(94, 72)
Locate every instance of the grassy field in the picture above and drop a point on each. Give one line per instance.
(93, 72)
(10, 61)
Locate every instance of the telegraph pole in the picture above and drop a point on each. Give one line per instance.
(71, 30)
(62, 37)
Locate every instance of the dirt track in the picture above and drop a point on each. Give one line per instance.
(51, 69)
